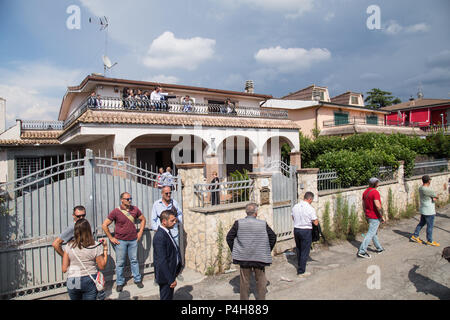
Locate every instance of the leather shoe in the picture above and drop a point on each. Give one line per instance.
(140, 285)
(119, 288)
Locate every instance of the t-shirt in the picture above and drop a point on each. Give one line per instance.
(87, 257)
(124, 228)
(371, 210)
(427, 206)
(67, 234)
(303, 214)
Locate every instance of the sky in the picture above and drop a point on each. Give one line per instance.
(282, 45)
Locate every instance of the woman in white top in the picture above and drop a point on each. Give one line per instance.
(83, 248)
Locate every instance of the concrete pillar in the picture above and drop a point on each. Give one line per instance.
(307, 181)
(296, 159)
(258, 162)
(212, 165)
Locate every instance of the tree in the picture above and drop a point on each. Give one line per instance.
(377, 99)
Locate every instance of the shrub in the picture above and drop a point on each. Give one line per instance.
(392, 210)
(341, 218)
(326, 223)
(353, 224)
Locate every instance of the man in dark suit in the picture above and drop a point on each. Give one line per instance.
(166, 256)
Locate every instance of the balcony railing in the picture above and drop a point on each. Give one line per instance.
(172, 106)
(42, 125)
(371, 121)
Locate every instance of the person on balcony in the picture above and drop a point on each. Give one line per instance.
(159, 99)
(130, 100)
(92, 101)
(147, 100)
(138, 98)
(214, 189)
(187, 103)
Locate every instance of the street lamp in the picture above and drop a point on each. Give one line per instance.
(442, 118)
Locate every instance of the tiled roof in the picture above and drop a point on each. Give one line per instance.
(417, 103)
(33, 137)
(126, 117)
(23, 142)
(38, 134)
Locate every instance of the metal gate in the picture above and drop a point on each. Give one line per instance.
(36, 208)
(284, 197)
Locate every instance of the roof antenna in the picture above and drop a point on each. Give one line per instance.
(104, 24)
(420, 92)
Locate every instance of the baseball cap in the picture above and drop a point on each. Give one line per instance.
(373, 180)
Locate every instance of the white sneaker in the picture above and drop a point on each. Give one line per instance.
(303, 275)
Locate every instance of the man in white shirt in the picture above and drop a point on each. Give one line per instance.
(304, 215)
(158, 99)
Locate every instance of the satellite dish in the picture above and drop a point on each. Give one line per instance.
(107, 63)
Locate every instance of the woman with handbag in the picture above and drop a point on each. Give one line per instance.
(81, 258)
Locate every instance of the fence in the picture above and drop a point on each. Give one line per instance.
(210, 194)
(427, 167)
(330, 180)
(38, 207)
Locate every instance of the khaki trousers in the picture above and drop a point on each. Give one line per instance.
(261, 283)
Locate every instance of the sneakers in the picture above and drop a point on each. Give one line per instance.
(416, 239)
(304, 274)
(119, 288)
(140, 285)
(364, 255)
(379, 251)
(434, 243)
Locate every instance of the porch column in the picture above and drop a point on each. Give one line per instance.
(258, 162)
(212, 165)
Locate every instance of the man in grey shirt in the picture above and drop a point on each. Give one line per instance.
(79, 212)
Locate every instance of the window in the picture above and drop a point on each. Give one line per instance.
(340, 118)
(354, 100)
(26, 166)
(371, 119)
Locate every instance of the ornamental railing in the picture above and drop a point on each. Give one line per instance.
(172, 106)
(42, 125)
(211, 194)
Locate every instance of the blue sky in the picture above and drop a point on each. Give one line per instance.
(283, 45)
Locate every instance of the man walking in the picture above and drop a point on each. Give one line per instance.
(304, 215)
(126, 238)
(166, 203)
(251, 242)
(79, 212)
(166, 256)
(373, 210)
(427, 212)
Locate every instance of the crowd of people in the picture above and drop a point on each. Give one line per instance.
(157, 100)
(250, 240)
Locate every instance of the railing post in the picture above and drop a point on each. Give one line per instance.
(89, 165)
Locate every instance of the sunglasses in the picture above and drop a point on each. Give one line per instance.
(127, 199)
(168, 193)
(80, 216)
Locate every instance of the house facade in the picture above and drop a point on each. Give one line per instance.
(316, 113)
(95, 115)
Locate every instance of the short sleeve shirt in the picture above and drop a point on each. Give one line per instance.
(369, 198)
(303, 214)
(67, 234)
(88, 258)
(427, 206)
(124, 228)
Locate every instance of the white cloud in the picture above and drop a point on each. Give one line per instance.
(34, 91)
(329, 16)
(291, 59)
(394, 28)
(166, 51)
(161, 78)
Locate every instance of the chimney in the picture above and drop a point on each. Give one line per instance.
(2, 115)
(249, 86)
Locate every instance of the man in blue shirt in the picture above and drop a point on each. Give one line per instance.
(79, 212)
(166, 203)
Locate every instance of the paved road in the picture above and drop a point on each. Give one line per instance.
(406, 270)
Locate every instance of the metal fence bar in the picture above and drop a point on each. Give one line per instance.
(225, 192)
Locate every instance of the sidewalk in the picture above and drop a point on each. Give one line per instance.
(407, 271)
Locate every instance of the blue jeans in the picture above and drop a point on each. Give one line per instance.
(122, 249)
(429, 221)
(303, 239)
(82, 288)
(371, 236)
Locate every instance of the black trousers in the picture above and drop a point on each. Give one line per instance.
(165, 292)
(303, 239)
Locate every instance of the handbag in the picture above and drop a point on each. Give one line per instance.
(99, 280)
(315, 232)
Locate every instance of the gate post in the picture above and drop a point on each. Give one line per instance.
(90, 190)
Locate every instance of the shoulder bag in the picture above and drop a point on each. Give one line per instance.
(99, 281)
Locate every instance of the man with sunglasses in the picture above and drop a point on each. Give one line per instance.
(79, 212)
(126, 237)
(167, 203)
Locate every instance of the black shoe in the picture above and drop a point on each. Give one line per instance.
(119, 288)
(364, 255)
(379, 251)
(140, 285)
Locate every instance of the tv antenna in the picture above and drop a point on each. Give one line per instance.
(104, 24)
(107, 64)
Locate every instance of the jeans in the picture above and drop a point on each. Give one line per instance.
(122, 249)
(429, 221)
(371, 235)
(303, 239)
(82, 288)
